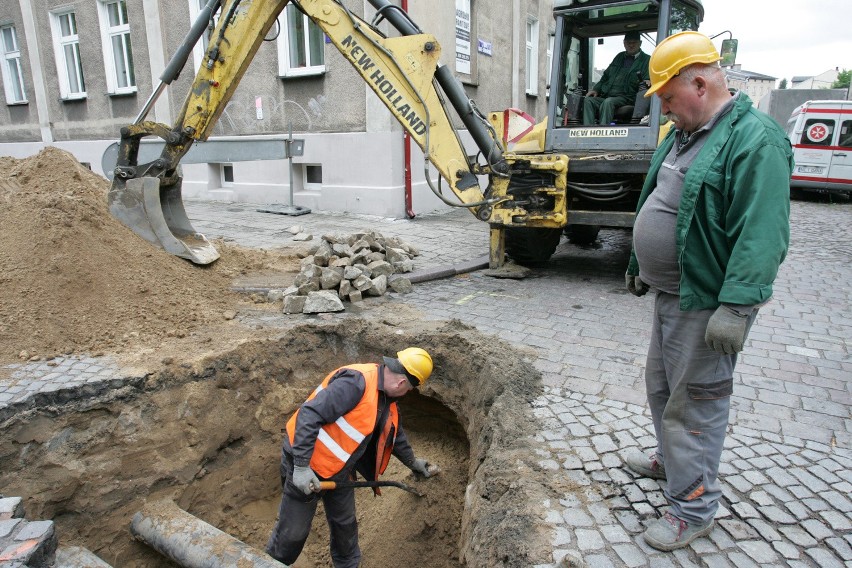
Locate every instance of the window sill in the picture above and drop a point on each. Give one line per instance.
(302, 73)
(17, 103)
(74, 98)
(122, 94)
(532, 95)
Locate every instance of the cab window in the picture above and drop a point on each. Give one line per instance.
(818, 132)
(845, 134)
(684, 18)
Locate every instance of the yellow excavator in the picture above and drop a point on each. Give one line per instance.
(557, 176)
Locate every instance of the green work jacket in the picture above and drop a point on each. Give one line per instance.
(733, 221)
(616, 82)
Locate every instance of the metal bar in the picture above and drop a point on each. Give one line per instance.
(178, 60)
(332, 485)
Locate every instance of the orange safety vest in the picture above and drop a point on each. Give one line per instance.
(337, 441)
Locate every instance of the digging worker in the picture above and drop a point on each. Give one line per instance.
(619, 83)
(711, 231)
(349, 423)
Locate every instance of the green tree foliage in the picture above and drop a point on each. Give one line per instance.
(842, 79)
(783, 84)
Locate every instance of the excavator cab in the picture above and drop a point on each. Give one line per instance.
(589, 35)
(607, 162)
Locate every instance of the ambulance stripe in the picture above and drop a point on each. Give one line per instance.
(829, 148)
(822, 179)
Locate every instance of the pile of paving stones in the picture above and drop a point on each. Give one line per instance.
(24, 543)
(33, 544)
(347, 268)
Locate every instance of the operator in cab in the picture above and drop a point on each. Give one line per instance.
(619, 83)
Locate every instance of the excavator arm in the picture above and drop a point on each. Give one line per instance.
(404, 72)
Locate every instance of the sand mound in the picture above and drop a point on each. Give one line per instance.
(74, 279)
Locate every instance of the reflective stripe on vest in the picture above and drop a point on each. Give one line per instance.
(336, 442)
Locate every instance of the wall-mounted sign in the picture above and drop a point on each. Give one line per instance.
(463, 36)
(484, 47)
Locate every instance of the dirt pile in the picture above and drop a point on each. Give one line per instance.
(74, 279)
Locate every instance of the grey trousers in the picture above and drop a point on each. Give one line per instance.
(689, 392)
(641, 106)
(296, 514)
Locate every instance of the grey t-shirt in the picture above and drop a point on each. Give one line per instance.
(654, 230)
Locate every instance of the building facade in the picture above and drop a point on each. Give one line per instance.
(755, 85)
(75, 71)
(822, 81)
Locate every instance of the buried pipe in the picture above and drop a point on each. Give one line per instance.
(192, 543)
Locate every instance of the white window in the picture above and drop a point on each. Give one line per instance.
(195, 7)
(313, 177)
(118, 53)
(532, 56)
(226, 178)
(550, 40)
(66, 46)
(300, 45)
(13, 77)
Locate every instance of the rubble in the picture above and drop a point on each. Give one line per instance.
(347, 268)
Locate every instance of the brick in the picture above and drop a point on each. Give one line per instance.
(11, 507)
(35, 530)
(8, 525)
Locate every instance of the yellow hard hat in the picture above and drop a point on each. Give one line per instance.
(676, 52)
(417, 363)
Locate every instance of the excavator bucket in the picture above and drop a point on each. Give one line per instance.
(156, 214)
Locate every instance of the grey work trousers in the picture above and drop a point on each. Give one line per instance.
(296, 514)
(689, 389)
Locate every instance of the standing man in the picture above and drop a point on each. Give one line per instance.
(349, 423)
(711, 231)
(618, 84)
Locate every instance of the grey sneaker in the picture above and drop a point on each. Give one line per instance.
(670, 533)
(645, 465)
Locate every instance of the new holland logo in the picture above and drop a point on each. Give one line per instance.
(598, 133)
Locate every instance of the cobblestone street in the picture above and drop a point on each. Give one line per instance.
(787, 466)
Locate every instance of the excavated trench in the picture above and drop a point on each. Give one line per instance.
(207, 434)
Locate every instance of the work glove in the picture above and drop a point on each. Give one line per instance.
(635, 286)
(421, 467)
(726, 330)
(305, 480)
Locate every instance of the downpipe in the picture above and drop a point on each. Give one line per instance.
(406, 147)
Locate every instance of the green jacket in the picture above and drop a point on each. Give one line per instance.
(615, 83)
(733, 222)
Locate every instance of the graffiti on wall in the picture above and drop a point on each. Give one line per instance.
(242, 116)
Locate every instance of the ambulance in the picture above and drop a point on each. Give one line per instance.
(821, 133)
